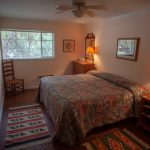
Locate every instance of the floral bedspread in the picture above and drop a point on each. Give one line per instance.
(79, 103)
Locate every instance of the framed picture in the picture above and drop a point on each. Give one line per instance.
(127, 48)
(68, 45)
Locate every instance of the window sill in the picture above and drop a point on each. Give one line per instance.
(28, 59)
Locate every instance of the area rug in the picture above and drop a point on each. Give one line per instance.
(116, 139)
(26, 127)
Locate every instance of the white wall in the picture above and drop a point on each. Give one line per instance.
(1, 86)
(107, 31)
(62, 64)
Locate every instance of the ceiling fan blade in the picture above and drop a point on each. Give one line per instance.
(96, 7)
(64, 7)
(89, 13)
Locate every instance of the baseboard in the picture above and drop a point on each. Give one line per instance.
(2, 106)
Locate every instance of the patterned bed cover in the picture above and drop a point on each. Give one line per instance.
(79, 103)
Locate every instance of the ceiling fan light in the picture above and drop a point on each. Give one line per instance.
(78, 13)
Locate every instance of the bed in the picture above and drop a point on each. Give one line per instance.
(79, 103)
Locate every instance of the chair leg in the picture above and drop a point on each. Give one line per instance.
(23, 85)
(14, 89)
(6, 90)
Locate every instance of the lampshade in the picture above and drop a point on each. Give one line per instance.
(90, 50)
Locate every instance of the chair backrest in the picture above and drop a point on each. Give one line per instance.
(8, 70)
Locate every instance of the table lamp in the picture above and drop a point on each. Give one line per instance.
(90, 51)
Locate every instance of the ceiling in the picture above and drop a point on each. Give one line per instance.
(46, 9)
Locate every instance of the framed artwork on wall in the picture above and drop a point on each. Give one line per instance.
(127, 48)
(68, 45)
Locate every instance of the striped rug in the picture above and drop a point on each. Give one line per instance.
(116, 139)
(26, 127)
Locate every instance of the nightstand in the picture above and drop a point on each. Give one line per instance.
(82, 67)
(144, 115)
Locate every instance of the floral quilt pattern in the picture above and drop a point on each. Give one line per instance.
(79, 103)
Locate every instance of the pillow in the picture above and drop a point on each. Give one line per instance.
(120, 81)
(123, 82)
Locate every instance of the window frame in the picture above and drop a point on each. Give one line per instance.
(37, 31)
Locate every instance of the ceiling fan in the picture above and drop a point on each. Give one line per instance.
(79, 8)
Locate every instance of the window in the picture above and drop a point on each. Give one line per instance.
(27, 45)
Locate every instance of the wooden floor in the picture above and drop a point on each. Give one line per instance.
(29, 97)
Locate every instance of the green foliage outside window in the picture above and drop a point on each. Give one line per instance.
(27, 45)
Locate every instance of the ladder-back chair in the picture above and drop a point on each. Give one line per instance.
(11, 83)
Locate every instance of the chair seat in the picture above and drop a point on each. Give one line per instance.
(14, 81)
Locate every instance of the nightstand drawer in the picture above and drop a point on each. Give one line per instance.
(144, 114)
(82, 67)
